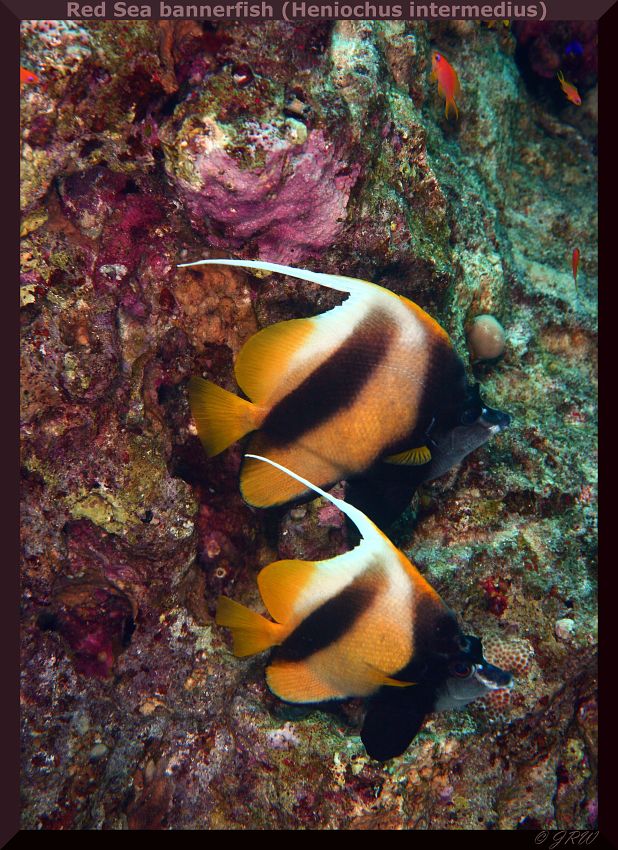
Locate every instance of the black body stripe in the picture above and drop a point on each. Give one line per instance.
(334, 385)
(436, 636)
(396, 715)
(443, 396)
(329, 622)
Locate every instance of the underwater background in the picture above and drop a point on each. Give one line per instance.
(322, 145)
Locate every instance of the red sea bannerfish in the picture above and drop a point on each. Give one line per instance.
(362, 624)
(373, 380)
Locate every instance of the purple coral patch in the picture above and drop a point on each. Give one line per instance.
(292, 208)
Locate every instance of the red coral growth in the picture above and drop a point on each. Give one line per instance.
(93, 192)
(96, 620)
(167, 300)
(104, 204)
(152, 790)
(496, 589)
(122, 242)
(330, 515)
(188, 51)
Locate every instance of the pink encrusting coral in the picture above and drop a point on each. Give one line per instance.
(290, 208)
(120, 215)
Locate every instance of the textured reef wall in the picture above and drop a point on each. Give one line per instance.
(322, 145)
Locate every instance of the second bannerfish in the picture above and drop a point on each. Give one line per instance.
(362, 624)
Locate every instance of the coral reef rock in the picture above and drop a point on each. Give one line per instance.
(325, 145)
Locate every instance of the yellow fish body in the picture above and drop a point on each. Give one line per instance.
(332, 395)
(362, 624)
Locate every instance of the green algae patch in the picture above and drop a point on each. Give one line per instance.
(102, 509)
(33, 221)
(27, 294)
(217, 122)
(488, 511)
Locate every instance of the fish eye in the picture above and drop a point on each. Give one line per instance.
(461, 669)
(438, 57)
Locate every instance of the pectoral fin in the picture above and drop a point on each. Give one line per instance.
(412, 457)
(381, 678)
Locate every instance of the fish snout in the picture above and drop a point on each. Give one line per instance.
(497, 420)
(494, 677)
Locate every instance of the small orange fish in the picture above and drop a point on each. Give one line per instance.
(569, 89)
(26, 76)
(575, 264)
(448, 82)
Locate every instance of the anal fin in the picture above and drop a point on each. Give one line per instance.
(294, 681)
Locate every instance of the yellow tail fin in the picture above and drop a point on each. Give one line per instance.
(250, 631)
(450, 103)
(221, 417)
